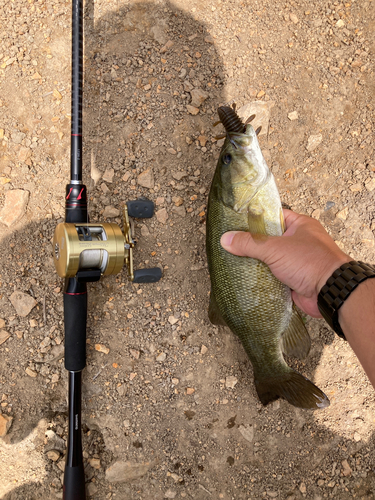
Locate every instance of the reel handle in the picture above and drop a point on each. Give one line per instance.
(151, 275)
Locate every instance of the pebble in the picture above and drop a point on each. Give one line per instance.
(370, 184)
(146, 179)
(5, 424)
(53, 455)
(343, 214)
(172, 320)
(179, 211)
(198, 96)
(190, 391)
(91, 489)
(170, 494)
(313, 142)
(247, 431)
(302, 488)
(230, 382)
(123, 472)
(272, 494)
(101, 348)
(161, 357)
(111, 212)
(293, 115)
(108, 175)
(16, 201)
(357, 437)
(346, 468)
(17, 137)
(95, 463)
(204, 349)
(4, 336)
(293, 18)
(162, 215)
(31, 373)
(192, 109)
(22, 303)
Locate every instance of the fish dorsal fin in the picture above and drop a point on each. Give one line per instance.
(256, 222)
(214, 314)
(295, 340)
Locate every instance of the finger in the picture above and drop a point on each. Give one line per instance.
(243, 244)
(290, 217)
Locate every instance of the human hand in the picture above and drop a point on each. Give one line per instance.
(303, 258)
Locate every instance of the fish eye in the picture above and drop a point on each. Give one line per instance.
(227, 158)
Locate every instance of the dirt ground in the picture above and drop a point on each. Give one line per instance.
(169, 405)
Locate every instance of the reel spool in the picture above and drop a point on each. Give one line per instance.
(88, 251)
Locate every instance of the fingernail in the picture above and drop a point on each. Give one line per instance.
(227, 238)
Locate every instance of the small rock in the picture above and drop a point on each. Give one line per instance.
(15, 205)
(198, 96)
(95, 463)
(172, 320)
(108, 175)
(343, 214)
(2, 323)
(357, 437)
(31, 373)
(4, 336)
(192, 109)
(91, 489)
(247, 432)
(302, 488)
(146, 179)
(53, 455)
(293, 115)
(316, 214)
(178, 176)
(24, 154)
(110, 212)
(22, 303)
(370, 184)
(346, 468)
(170, 494)
(167, 46)
(293, 18)
(340, 23)
(272, 494)
(161, 357)
(356, 188)
(135, 353)
(204, 349)
(123, 472)
(179, 211)
(101, 348)
(190, 390)
(162, 215)
(313, 142)
(5, 423)
(18, 137)
(230, 382)
(177, 200)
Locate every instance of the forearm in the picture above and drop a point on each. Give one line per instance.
(357, 320)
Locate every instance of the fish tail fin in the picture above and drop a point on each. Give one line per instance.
(293, 387)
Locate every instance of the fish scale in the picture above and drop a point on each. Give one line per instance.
(245, 295)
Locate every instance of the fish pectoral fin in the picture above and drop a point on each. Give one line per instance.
(214, 314)
(295, 340)
(256, 222)
(293, 387)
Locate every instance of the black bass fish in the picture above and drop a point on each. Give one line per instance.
(245, 295)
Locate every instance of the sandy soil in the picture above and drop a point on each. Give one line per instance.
(169, 405)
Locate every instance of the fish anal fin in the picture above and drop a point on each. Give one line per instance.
(295, 340)
(214, 314)
(256, 222)
(294, 388)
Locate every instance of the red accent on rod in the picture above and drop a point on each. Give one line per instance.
(82, 293)
(79, 197)
(76, 135)
(68, 195)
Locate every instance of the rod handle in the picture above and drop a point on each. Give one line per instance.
(75, 318)
(74, 483)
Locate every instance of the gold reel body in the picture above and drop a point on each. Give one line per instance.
(93, 246)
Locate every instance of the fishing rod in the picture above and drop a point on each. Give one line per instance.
(83, 252)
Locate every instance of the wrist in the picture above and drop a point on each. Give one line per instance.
(330, 267)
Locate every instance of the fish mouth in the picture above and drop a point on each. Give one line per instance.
(255, 156)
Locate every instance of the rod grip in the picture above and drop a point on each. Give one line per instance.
(75, 317)
(74, 483)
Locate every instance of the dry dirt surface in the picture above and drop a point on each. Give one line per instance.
(169, 405)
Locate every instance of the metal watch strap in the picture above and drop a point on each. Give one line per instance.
(338, 288)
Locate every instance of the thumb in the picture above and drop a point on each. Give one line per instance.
(244, 244)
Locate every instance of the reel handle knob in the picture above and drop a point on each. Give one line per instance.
(141, 208)
(151, 275)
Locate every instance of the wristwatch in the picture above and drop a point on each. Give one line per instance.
(338, 288)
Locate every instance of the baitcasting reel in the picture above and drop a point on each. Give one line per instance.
(88, 251)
